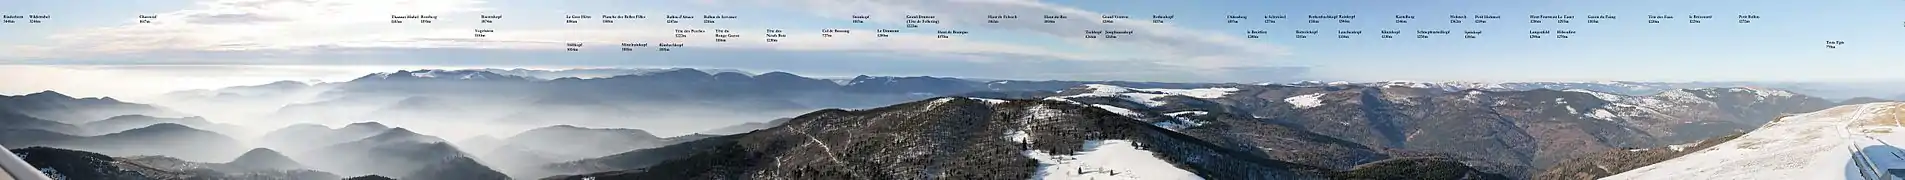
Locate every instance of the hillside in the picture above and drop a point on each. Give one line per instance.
(1599, 165)
(1529, 129)
(74, 164)
(1845, 142)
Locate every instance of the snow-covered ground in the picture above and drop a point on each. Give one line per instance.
(1836, 143)
(1305, 101)
(1107, 160)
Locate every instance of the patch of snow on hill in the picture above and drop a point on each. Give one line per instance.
(1184, 113)
(1602, 114)
(1100, 90)
(1404, 84)
(1120, 111)
(1680, 147)
(990, 100)
(428, 73)
(1609, 97)
(1305, 101)
(1768, 93)
(1018, 136)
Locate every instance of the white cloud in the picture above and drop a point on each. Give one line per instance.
(285, 29)
(239, 25)
(299, 25)
(1171, 43)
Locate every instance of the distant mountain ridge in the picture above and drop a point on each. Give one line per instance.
(300, 137)
(746, 127)
(53, 106)
(159, 139)
(961, 138)
(588, 73)
(16, 121)
(128, 122)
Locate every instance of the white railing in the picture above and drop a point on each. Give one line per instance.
(15, 168)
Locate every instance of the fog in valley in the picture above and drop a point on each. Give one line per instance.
(407, 123)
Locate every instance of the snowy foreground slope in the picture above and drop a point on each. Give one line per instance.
(1845, 142)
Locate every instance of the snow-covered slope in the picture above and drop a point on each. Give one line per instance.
(1098, 159)
(1845, 142)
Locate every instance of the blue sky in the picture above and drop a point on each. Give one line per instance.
(1785, 44)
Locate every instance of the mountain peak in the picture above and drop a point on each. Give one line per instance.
(306, 126)
(776, 74)
(48, 94)
(166, 127)
(263, 158)
(260, 151)
(680, 72)
(366, 125)
(731, 76)
(130, 116)
(467, 74)
(398, 132)
(401, 134)
(456, 168)
(285, 83)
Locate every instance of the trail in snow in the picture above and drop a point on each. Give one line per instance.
(1862, 165)
(1875, 157)
(823, 146)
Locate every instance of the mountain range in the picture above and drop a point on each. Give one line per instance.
(53, 106)
(603, 124)
(159, 139)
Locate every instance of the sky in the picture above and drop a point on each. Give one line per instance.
(327, 39)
